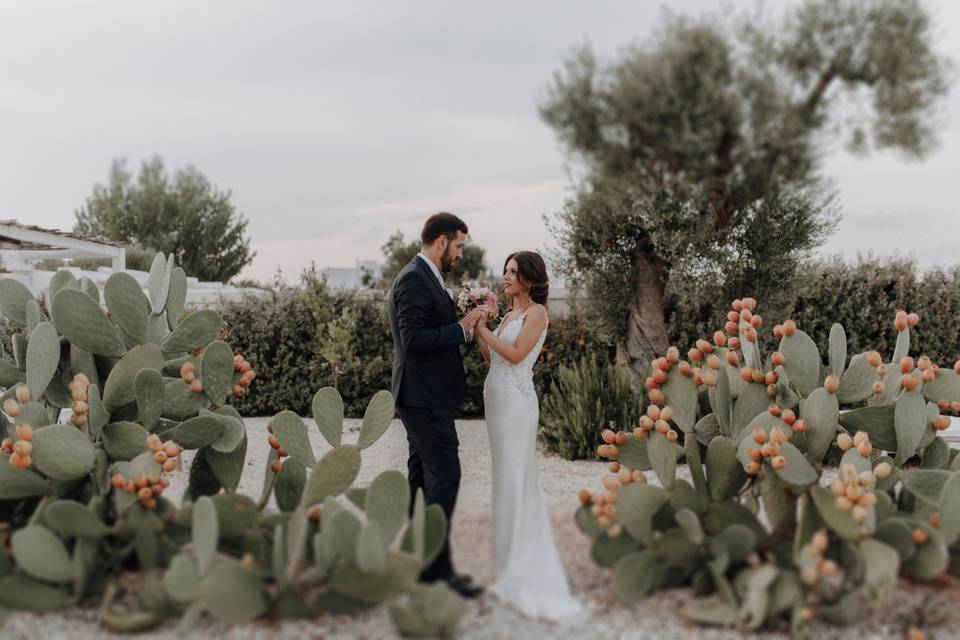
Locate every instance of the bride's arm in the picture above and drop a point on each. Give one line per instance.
(534, 325)
(482, 344)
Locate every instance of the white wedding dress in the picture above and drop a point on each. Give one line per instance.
(528, 572)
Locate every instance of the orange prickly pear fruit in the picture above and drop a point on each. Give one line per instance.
(753, 468)
(607, 435)
(673, 355)
(778, 462)
(788, 416)
(909, 381)
(685, 369)
(758, 376)
(23, 448)
(924, 363)
(749, 304)
(170, 465)
(614, 467)
(736, 305)
(666, 413)
(24, 432)
(831, 384)
(704, 346)
(709, 378)
(117, 481)
(774, 410)
(920, 536)
(585, 497)
(929, 375)
(770, 377)
(877, 388)
(11, 407)
(900, 321)
(733, 343)
(912, 319)
(620, 439)
(755, 455)
(732, 358)
(873, 359)
(756, 322)
(759, 435)
(695, 355)
(713, 362)
(943, 405)
(719, 339)
(672, 435)
(23, 394)
(778, 331)
(660, 377)
(941, 423)
(772, 390)
(747, 374)
(171, 448)
(731, 327)
(906, 364)
(799, 426)
(777, 359)
(844, 441)
(656, 396)
(789, 328)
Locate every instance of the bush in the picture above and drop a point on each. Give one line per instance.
(303, 338)
(583, 400)
(861, 296)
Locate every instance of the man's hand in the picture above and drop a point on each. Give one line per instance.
(469, 321)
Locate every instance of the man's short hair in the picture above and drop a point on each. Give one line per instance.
(442, 224)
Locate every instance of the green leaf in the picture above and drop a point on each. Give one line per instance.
(948, 507)
(289, 485)
(386, 502)
(197, 432)
(18, 592)
(821, 412)
(124, 440)
(13, 299)
(636, 575)
(681, 394)
(332, 475)
(196, 330)
(84, 324)
(876, 421)
(127, 304)
(802, 361)
(328, 414)
(910, 422)
(725, 475)
(177, 297)
(43, 357)
(838, 350)
(158, 283)
(19, 483)
(371, 550)
(206, 532)
(663, 458)
(62, 453)
(148, 386)
(751, 402)
(291, 432)
(376, 419)
(216, 371)
(232, 594)
(636, 505)
(73, 520)
(634, 454)
(120, 389)
(856, 385)
(797, 472)
(926, 484)
(841, 522)
(181, 579)
(41, 554)
(882, 564)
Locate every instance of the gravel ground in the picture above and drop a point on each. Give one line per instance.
(930, 606)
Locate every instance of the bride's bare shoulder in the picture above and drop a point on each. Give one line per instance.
(538, 314)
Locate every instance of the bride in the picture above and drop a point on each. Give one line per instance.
(526, 563)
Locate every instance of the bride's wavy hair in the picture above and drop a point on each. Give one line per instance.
(532, 273)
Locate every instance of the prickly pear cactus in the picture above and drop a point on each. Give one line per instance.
(104, 394)
(809, 486)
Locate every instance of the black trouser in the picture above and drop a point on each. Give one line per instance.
(434, 466)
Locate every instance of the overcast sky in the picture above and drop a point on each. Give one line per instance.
(336, 123)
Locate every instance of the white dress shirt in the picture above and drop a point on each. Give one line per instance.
(436, 272)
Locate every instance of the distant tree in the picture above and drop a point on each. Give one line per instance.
(699, 152)
(185, 216)
(398, 252)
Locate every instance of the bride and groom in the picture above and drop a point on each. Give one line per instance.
(429, 384)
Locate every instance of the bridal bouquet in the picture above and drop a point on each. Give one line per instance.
(472, 297)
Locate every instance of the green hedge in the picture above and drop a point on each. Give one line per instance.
(862, 296)
(285, 337)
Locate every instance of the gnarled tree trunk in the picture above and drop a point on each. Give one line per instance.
(646, 336)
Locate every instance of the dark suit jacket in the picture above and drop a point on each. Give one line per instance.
(427, 365)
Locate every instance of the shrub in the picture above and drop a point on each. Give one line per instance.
(295, 335)
(82, 501)
(758, 527)
(584, 399)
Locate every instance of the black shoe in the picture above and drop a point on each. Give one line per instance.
(463, 585)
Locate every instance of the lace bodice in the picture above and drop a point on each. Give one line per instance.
(518, 376)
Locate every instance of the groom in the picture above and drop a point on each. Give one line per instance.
(428, 377)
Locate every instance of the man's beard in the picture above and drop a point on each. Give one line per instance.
(446, 262)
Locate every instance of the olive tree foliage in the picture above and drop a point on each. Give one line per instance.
(184, 215)
(698, 153)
